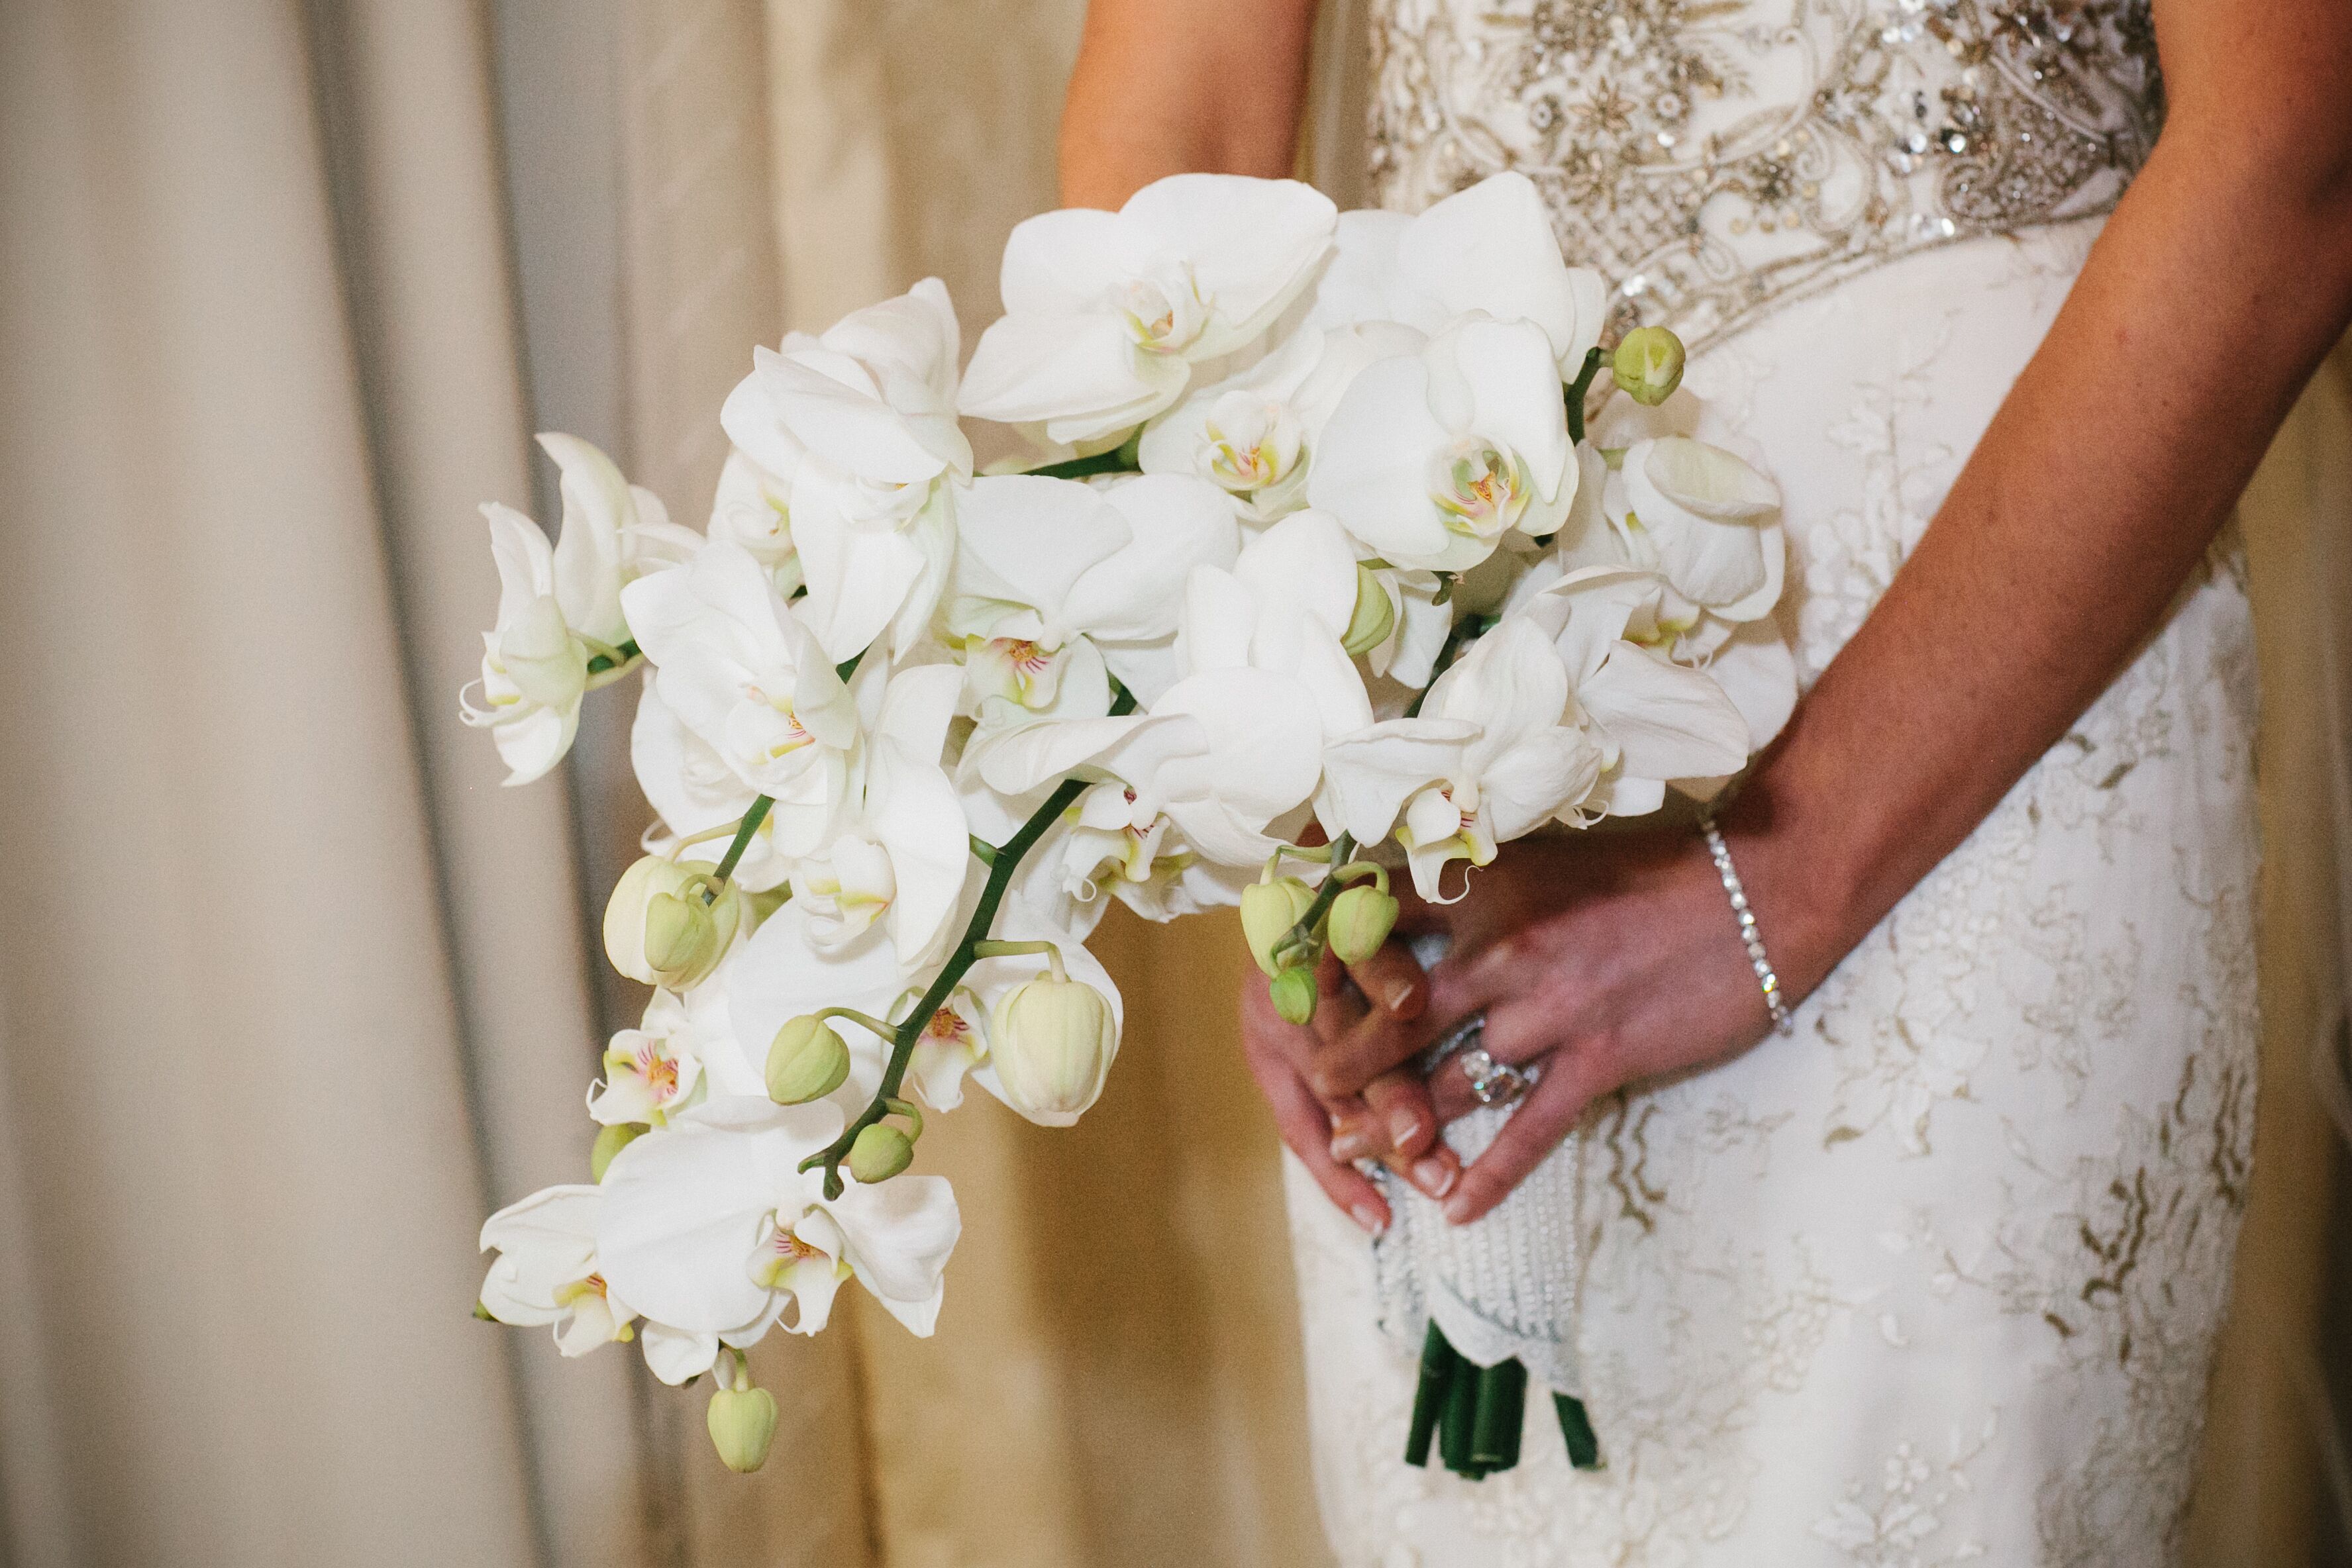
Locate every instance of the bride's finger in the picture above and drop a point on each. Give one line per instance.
(1569, 1082)
(1392, 980)
(1370, 1045)
(1518, 1032)
(1306, 1130)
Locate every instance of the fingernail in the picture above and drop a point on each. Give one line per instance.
(1401, 993)
(1370, 1217)
(1349, 1143)
(1435, 1177)
(1404, 1126)
(1457, 1209)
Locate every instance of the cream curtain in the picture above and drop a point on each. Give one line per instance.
(241, 1176)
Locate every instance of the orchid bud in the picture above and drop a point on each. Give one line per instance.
(610, 1141)
(1294, 995)
(1052, 1042)
(1374, 617)
(542, 657)
(657, 929)
(1362, 919)
(807, 1061)
(1649, 365)
(880, 1152)
(742, 1424)
(679, 933)
(1270, 909)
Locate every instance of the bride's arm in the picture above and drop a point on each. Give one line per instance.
(2220, 281)
(1171, 87)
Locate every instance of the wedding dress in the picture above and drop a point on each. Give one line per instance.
(1936, 1280)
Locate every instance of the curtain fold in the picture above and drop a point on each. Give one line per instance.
(243, 1179)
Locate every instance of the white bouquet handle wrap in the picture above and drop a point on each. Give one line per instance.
(1504, 1287)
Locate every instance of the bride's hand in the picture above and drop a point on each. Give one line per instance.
(1388, 1118)
(1607, 960)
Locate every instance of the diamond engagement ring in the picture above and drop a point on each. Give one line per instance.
(1496, 1083)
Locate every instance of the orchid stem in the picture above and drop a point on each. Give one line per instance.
(609, 658)
(1020, 949)
(1577, 391)
(1007, 861)
(1301, 937)
(743, 832)
(863, 1020)
(724, 830)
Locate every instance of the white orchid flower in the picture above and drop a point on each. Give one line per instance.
(898, 851)
(1242, 739)
(1115, 842)
(754, 508)
(1659, 721)
(784, 973)
(741, 672)
(1489, 249)
(683, 1047)
(1430, 459)
(1705, 522)
(1057, 579)
(1253, 433)
(695, 793)
(860, 424)
(560, 608)
(1106, 314)
(713, 1225)
(1529, 761)
(546, 1271)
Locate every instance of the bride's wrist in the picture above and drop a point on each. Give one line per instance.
(1804, 877)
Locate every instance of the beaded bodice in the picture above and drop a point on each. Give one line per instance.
(1714, 158)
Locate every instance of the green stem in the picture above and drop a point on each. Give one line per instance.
(866, 1021)
(1007, 861)
(1120, 459)
(1439, 1364)
(1577, 389)
(1301, 937)
(743, 832)
(603, 662)
(1576, 1430)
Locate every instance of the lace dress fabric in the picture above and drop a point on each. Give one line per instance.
(1936, 1280)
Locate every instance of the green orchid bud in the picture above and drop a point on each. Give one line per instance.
(807, 1061)
(743, 1424)
(1270, 909)
(679, 933)
(658, 929)
(611, 1141)
(1649, 365)
(1362, 919)
(1052, 1042)
(880, 1153)
(1375, 616)
(1294, 995)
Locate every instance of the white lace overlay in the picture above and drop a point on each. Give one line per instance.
(1936, 1281)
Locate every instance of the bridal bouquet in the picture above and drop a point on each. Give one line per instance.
(1312, 578)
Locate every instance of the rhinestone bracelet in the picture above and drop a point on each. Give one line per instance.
(1748, 935)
